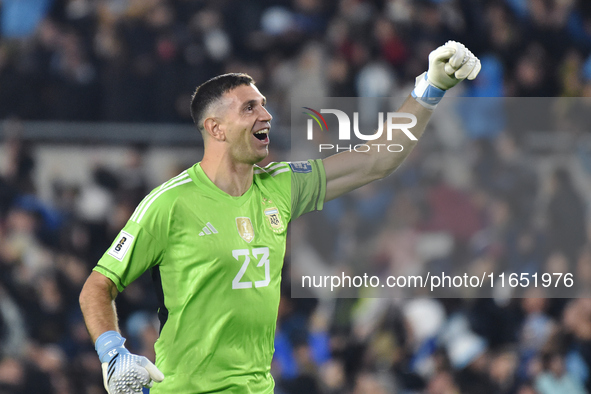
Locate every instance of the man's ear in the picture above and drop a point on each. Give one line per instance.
(214, 129)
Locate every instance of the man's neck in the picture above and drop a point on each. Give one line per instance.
(232, 178)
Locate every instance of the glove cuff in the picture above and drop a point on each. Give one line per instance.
(108, 345)
(425, 93)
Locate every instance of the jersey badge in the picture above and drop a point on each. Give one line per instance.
(120, 248)
(245, 229)
(274, 219)
(301, 166)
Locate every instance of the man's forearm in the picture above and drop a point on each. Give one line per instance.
(123, 372)
(97, 302)
(386, 162)
(346, 171)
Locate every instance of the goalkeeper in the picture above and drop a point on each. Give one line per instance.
(214, 240)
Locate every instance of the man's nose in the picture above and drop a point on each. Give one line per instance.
(265, 115)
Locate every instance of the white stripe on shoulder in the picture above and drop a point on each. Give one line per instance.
(183, 174)
(139, 208)
(172, 186)
(258, 172)
(275, 166)
(271, 168)
(280, 171)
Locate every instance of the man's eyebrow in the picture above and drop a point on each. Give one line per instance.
(254, 102)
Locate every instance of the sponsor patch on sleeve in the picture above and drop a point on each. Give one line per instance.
(120, 248)
(300, 166)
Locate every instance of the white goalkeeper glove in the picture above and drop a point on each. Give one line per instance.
(448, 65)
(123, 372)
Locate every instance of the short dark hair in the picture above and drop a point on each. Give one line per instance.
(212, 90)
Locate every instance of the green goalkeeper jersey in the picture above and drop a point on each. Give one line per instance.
(216, 261)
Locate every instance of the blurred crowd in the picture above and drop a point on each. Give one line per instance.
(47, 249)
(139, 60)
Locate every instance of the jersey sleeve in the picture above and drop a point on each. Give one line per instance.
(137, 248)
(308, 186)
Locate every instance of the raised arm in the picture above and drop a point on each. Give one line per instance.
(347, 171)
(448, 65)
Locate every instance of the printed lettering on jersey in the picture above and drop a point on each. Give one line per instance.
(245, 229)
(120, 248)
(301, 166)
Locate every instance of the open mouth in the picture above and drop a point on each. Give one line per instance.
(262, 135)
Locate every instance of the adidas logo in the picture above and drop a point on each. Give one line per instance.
(208, 229)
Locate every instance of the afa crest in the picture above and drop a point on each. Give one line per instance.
(274, 218)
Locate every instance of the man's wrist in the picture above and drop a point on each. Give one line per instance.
(425, 93)
(108, 345)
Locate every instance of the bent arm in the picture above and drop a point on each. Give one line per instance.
(347, 171)
(97, 302)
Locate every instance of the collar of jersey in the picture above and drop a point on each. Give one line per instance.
(204, 183)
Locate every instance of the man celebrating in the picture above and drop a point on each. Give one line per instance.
(214, 239)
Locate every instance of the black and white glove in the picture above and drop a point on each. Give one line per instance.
(123, 372)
